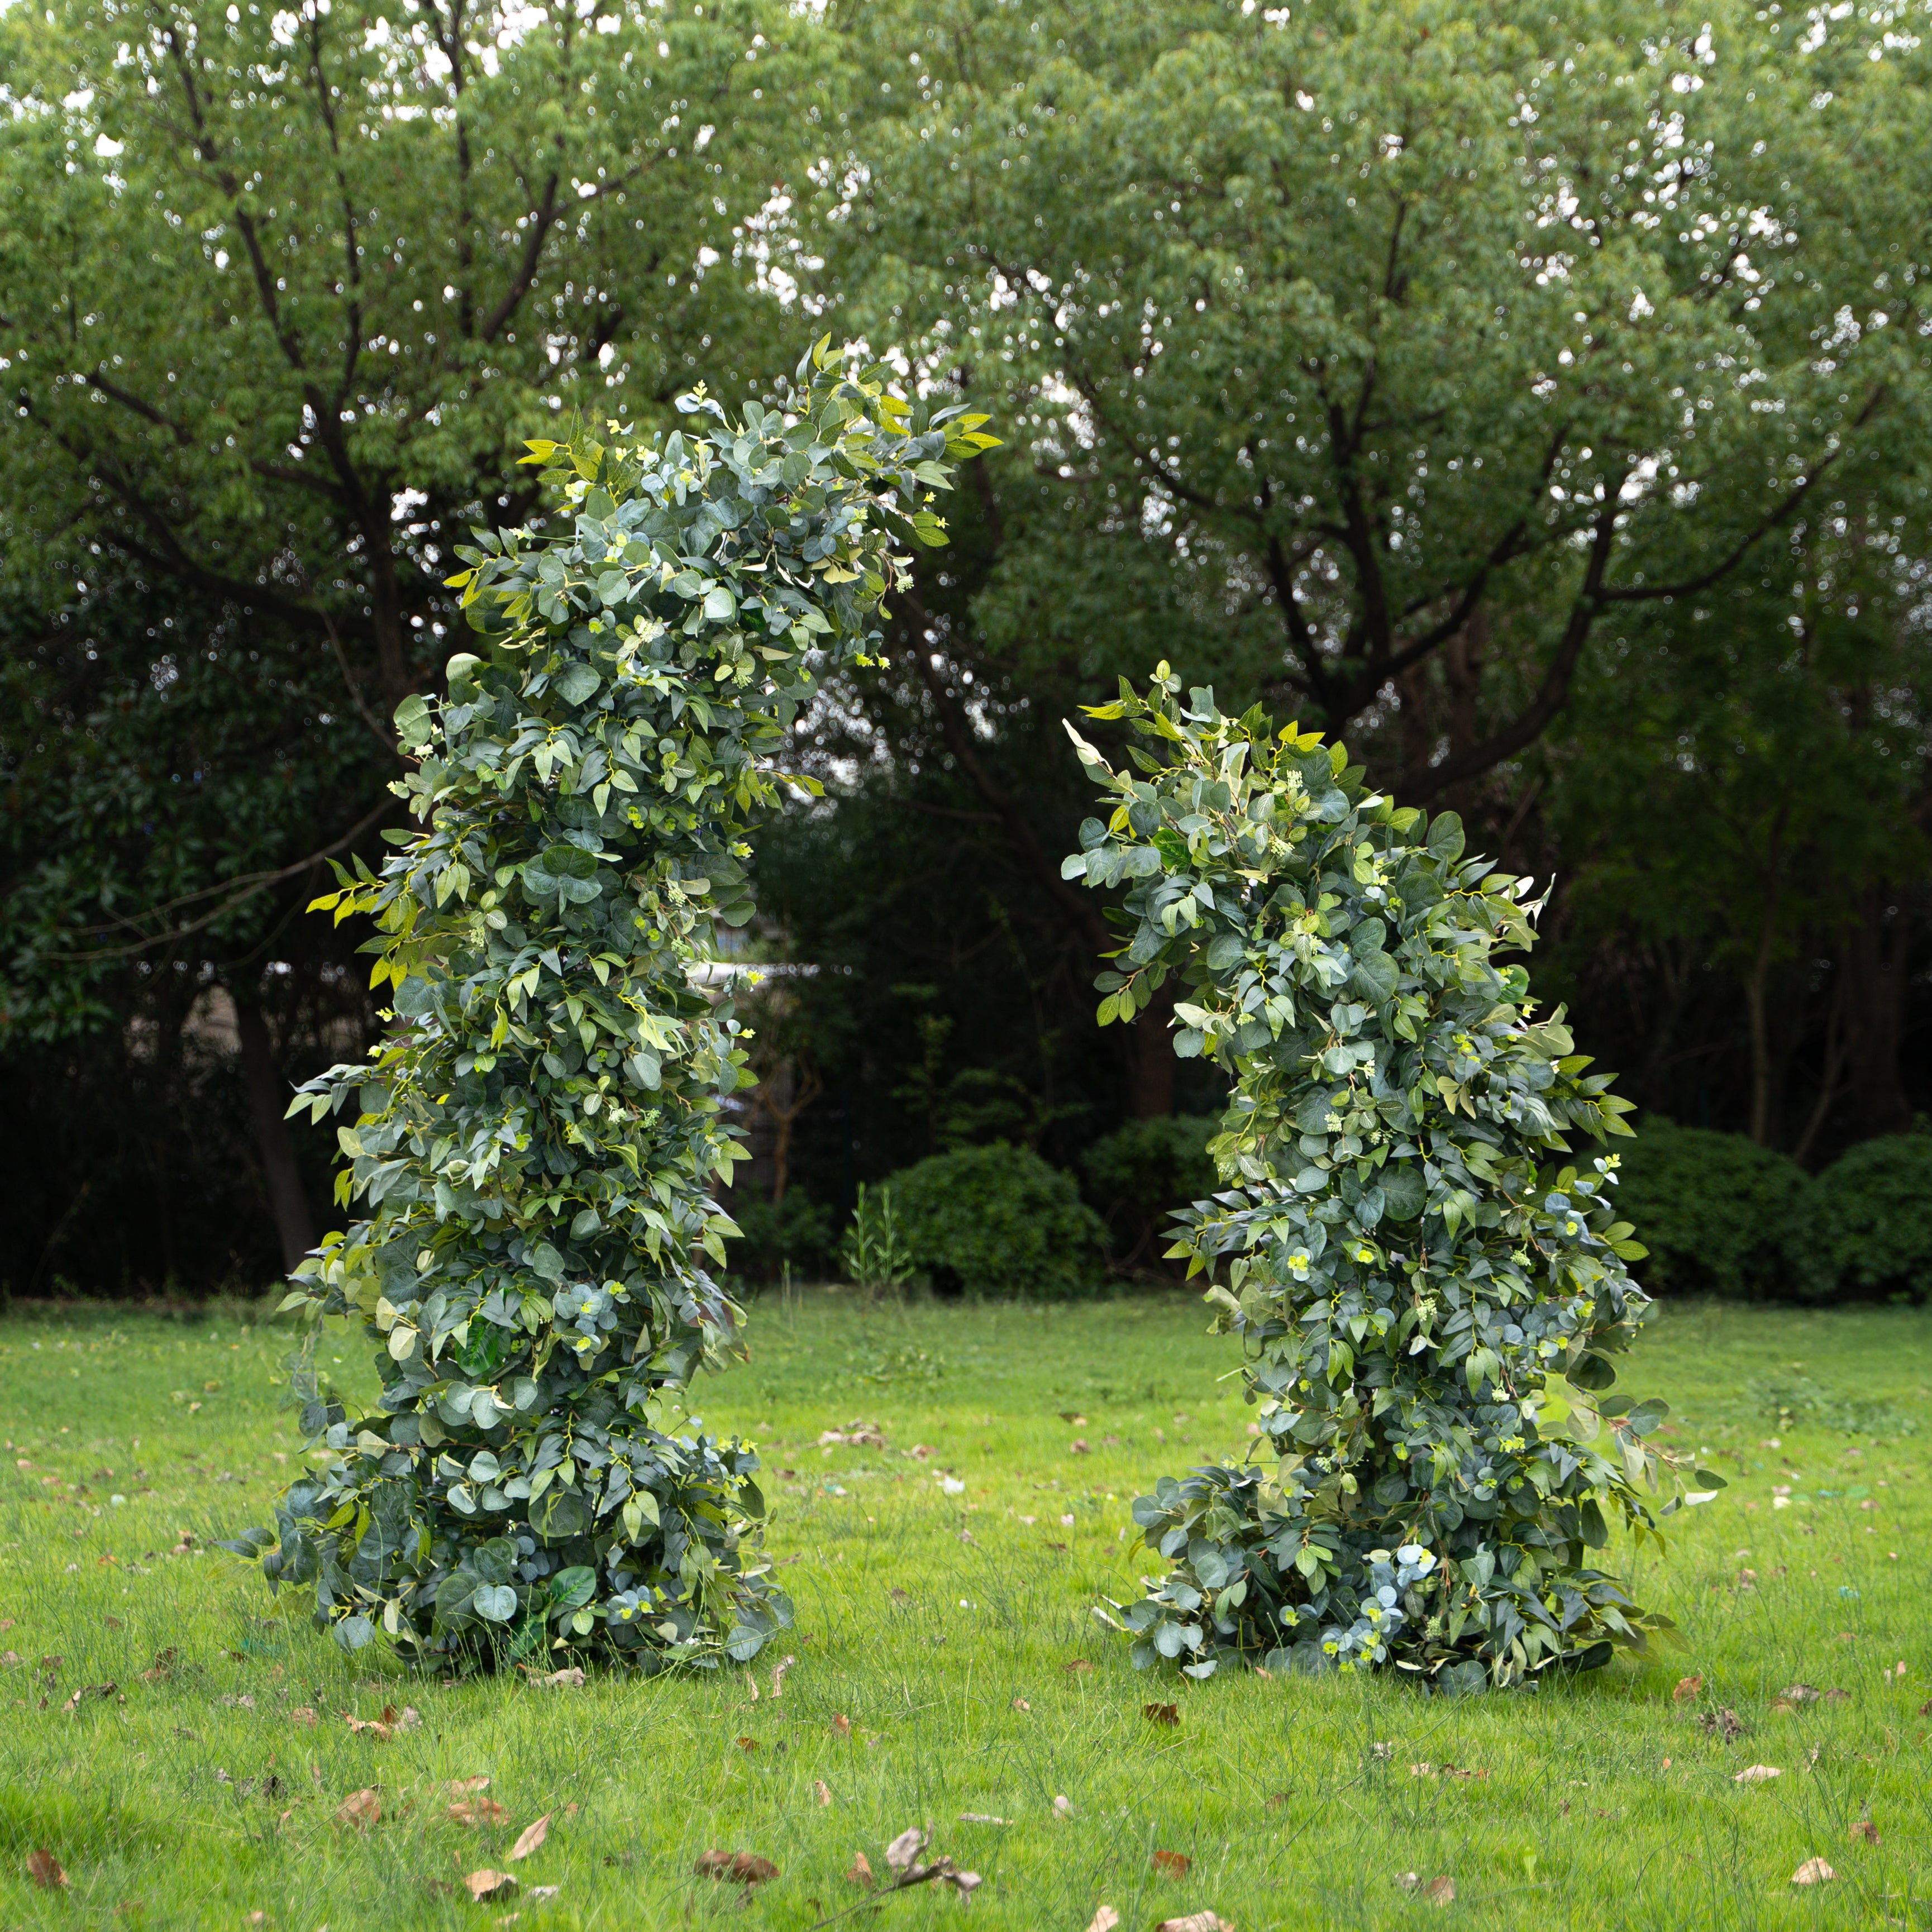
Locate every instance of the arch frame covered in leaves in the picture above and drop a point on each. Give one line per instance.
(1428, 1289)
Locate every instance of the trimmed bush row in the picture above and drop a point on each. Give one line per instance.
(1720, 1215)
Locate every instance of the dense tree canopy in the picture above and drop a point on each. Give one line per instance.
(1456, 379)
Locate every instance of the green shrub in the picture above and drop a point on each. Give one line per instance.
(536, 1141)
(1428, 1288)
(797, 1229)
(1864, 1226)
(1712, 1210)
(1141, 1174)
(997, 1223)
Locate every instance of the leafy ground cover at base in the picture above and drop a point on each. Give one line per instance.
(952, 1490)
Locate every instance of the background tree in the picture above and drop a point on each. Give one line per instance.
(281, 291)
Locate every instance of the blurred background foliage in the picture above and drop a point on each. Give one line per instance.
(1541, 404)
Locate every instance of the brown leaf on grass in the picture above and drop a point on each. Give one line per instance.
(162, 1668)
(1063, 1806)
(1020, 1704)
(861, 1873)
(1803, 1694)
(900, 1596)
(1866, 1830)
(571, 1679)
(1080, 1447)
(1757, 1774)
(361, 1809)
(89, 1690)
(1196, 1922)
(378, 1731)
(1440, 1891)
(903, 1850)
(1687, 1688)
(303, 1715)
(1105, 1919)
(44, 1869)
(1835, 1696)
(1169, 1714)
(740, 1868)
(981, 1818)
(841, 1723)
(1813, 1871)
(475, 1811)
(1173, 1864)
(1079, 1664)
(531, 1836)
(824, 1790)
(486, 1884)
(461, 1787)
(747, 1744)
(1725, 1723)
(1782, 1707)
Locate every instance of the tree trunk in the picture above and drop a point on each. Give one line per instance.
(1874, 971)
(1154, 1062)
(268, 1099)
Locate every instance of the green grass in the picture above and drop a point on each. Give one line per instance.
(927, 1620)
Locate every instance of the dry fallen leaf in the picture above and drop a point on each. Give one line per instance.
(461, 1787)
(841, 1723)
(1196, 1922)
(1865, 1829)
(981, 1818)
(1063, 1806)
(905, 1849)
(44, 1869)
(1782, 1707)
(1079, 1664)
(1813, 1871)
(778, 1675)
(571, 1679)
(360, 1809)
(1803, 1694)
(861, 1873)
(1440, 1891)
(1105, 1919)
(740, 1868)
(1161, 1714)
(487, 1885)
(530, 1838)
(748, 1744)
(1757, 1774)
(379, 1732)
(1172, 1864)
(477, 1811)
(1688, 1687)
(1725, 1724)
(303, 1715)
(1020, 1704)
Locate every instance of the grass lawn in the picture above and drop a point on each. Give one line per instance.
(946, 1663)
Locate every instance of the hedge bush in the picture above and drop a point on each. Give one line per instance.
(1712, 1208)
(1428, 1286)
(1864, 1226)
(997, 1223)
(536, 1139)
(1141, 1174)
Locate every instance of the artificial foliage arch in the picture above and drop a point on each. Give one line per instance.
(535, 1140)
(1428, 1289)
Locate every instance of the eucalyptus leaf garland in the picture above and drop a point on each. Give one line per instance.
(536, 1139)
(1429, 1291)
